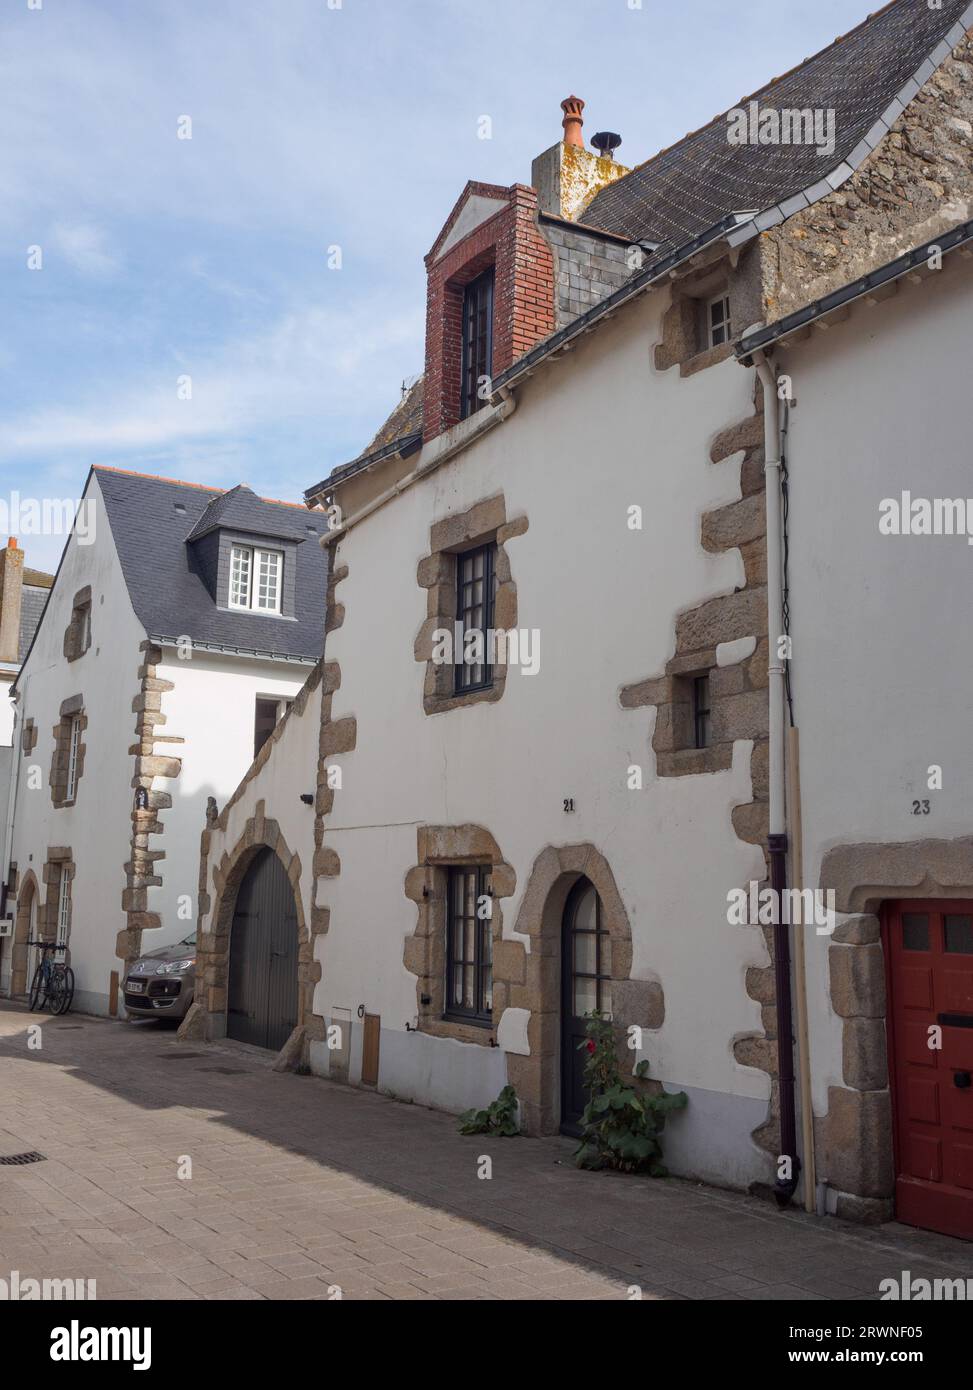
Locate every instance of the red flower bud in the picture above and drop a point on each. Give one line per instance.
(591, 1046)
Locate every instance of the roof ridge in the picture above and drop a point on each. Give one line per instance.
(201, 487)
(773, 82)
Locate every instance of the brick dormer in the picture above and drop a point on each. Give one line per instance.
(490, 230)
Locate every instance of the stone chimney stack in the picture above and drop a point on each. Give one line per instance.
(11, 590)
(567, 176)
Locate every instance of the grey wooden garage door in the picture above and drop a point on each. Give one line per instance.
(262, 992)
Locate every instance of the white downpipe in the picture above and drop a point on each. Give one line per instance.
(775, 591)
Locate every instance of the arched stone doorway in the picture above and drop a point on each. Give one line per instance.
(207, 1019)
(25, 929)
(543, 915)
(262, 989)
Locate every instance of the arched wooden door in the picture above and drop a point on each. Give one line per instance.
(262, 989)
(585, 985)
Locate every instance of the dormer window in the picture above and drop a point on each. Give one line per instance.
(477, 341)
(255, 578)
(716, 325)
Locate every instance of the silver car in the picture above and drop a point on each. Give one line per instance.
(161, 983)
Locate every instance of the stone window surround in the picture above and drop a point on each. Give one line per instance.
(438, 848)
(854, 1140)
(71, 708)
(528, 980)
(682, 342)
(479, 524)
(77, 635)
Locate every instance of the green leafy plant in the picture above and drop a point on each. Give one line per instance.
(500, 1116)
(621, 1126)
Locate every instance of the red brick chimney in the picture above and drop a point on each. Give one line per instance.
(11, 590)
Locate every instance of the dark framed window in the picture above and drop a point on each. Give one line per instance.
(477, 340)
(469, 945)
(702, 733)
(475, 587)
(586, 948)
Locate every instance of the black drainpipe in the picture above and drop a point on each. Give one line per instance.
(784, 1188)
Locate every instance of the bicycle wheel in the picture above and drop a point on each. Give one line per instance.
(37, 991)
(67, 990)
(55, 991)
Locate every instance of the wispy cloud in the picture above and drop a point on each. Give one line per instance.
(84, 247)
(304, 365)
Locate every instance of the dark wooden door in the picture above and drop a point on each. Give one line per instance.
(585, 986)
(262, 989)
(930, 953)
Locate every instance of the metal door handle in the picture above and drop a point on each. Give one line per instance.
(961, 1079)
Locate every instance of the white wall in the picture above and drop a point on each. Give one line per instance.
(883, 673)
(592, 435)
(290, 771)
(98, 825)
(212, 707)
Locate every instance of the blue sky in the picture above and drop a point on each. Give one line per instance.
(312, 126)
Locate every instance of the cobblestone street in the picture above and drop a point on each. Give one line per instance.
(299, 1185)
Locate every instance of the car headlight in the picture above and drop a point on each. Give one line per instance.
(175, 967)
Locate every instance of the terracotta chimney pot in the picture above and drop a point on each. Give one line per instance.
(573, 121)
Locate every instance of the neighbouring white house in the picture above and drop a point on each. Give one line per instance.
(668, 418)
(182, 622)
(23, 594)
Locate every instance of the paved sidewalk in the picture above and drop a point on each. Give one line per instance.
(299, 1185)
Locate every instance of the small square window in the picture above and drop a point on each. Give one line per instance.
(915, 931)
(958, 933)
(268, 712)
(702, 724)
(717, 321)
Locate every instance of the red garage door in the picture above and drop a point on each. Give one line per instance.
(930, 952)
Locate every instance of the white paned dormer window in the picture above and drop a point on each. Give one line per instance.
(255, 578)
(267, 590)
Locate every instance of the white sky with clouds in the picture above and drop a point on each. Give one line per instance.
(311, 127)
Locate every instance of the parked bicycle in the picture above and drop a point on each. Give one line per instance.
(53, 984)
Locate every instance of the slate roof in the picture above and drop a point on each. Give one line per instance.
(33, 598)
(686, 189)
(405, 419)
(241, 509)
(170, 599)
(403, 425)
